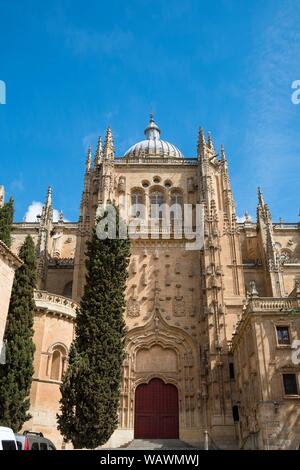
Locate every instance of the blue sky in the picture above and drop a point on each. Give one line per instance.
(74, 67)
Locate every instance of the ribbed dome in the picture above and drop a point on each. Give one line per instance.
(153, 146)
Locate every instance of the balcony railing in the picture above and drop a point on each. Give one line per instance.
(55, 304)
(156, 161)
(271, 304)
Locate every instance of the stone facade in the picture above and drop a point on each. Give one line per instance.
(184, 307)
(53, 334)
(9, 262)
(266, 355)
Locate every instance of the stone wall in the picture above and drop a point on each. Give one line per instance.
(269, 417)
(8, 264)
(53, 334)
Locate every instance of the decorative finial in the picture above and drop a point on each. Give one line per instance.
(88, 159)
(99, 152)
(152, 131)
(210, 141)
(223, 156)
(47, 208)
(109, 149)
(201, 143)
(246, 216)
(260, 197)
(252, 289)
(49, 197)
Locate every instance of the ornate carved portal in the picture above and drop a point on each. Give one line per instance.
(158, 350)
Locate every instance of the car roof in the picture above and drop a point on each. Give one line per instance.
(33, 437)
(5, 430)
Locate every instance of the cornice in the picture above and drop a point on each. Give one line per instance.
(9, 257)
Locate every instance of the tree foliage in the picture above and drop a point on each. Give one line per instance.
(6, 221)
(16, 373)
(91, 386)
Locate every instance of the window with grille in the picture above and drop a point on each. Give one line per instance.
(136, 204)
(283, 335)
(156, 201)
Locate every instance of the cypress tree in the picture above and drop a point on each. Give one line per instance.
(91, 386)
(6, 221)
(16, 373)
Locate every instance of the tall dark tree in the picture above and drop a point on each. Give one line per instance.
(16, 373)
(6, 221)
(91, 386)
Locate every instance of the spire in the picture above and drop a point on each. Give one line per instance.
(201, 143)
(88, 159)
(47, 208)
(48, 201)
(223, 155)
(152, 131)
(263, 209)
(210, 143)
(99, 152)
(261, 201)
(109, 149)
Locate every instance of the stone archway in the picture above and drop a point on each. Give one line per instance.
(158, 350)
(156, 411)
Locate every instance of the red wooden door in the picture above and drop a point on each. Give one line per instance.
(156, 411)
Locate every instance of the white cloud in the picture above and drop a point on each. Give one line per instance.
(55, 215)
(35, 209)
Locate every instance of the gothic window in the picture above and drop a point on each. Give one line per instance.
(176, 209)
(157, 199)
(283, 335)
(176, 198)
(290, 384)
(137, 202)
(57, 362)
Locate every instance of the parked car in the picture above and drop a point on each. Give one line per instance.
(33, 441)
(7, 439)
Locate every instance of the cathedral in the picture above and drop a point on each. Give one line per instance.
(212, 333)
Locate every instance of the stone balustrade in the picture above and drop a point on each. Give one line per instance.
(271, 304)
(156, 161)
(55, 304)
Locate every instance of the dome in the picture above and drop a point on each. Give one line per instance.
(153, 146)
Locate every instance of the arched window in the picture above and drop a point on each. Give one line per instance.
(177, 201)
(137, 204)
(58, 362)
(176, 209)
(176, 198)
(157, 199)
(55, 366)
